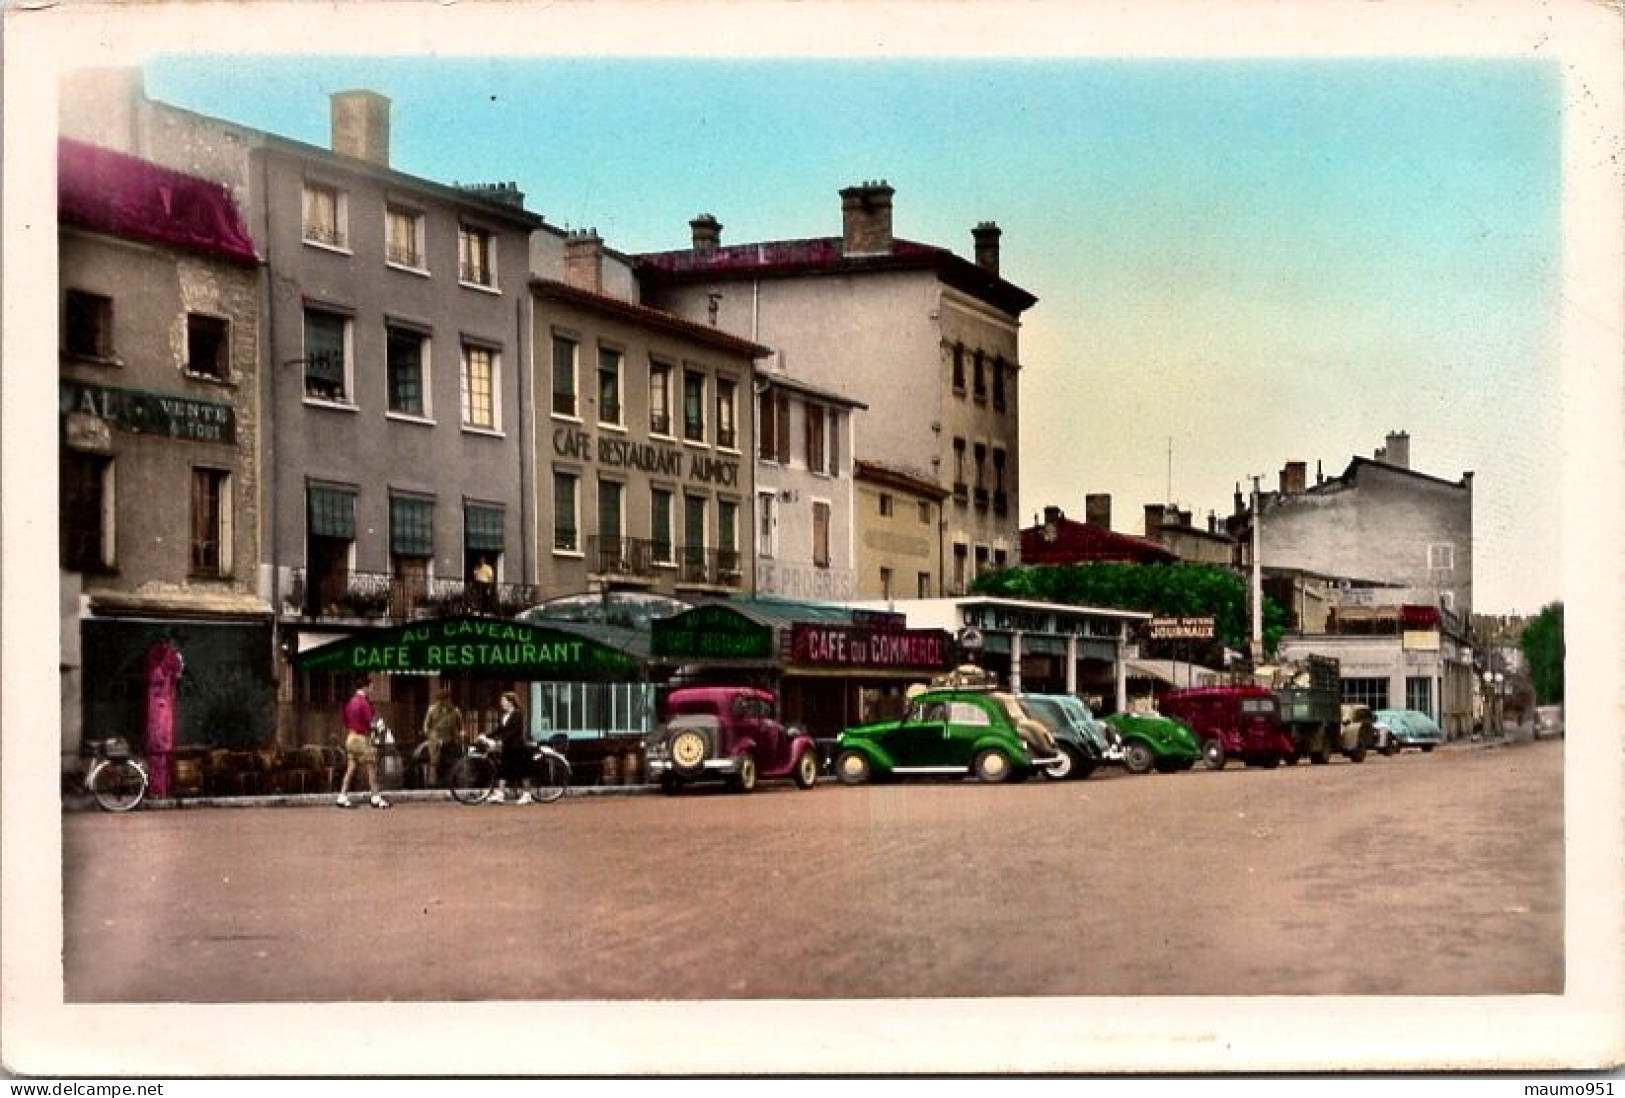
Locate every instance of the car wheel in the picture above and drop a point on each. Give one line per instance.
(688, 751)
(1427, 748)
(1389, 749)
(1320, 758)
(1064, 767)
(991, 766)
(1357, 755)
(852, 768)
(1290, 759)
(807, 770)
(671, 784)
(1213, 756)
(1138, 758)
(744, 779)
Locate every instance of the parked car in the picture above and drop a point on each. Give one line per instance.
(1150, 741)
(727, 733)
(1548, 721)
(1398, 729)
(1232, 722)
(982, 733)
(1080, 738)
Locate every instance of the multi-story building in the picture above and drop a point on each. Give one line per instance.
(1393, 549)
(804, 519)
(927, 340)
(899, 521)
(642, 431)
(165, 638)
(396, 330)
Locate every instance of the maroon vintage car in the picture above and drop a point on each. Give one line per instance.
(730, 733)
(1232, 722)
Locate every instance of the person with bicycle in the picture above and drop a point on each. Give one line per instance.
(516, 762)
(359, 721)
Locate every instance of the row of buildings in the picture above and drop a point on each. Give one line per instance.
(308, 397)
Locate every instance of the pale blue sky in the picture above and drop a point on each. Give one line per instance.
(1262, 260)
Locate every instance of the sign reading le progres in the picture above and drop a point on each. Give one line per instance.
(1185, 628)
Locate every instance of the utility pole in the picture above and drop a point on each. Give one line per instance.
(1258, 587)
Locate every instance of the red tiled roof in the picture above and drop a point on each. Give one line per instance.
(124, 196)
(1082, 543)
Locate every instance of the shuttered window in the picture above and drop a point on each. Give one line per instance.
(332, 512)
(411, 527)
(482, 528)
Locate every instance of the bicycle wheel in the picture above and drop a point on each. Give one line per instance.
(472, 780)
(118, 785)
(552, 779)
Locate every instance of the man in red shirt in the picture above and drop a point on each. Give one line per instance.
(358, 749)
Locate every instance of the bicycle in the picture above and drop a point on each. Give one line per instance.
(474, 776)
(117, 781)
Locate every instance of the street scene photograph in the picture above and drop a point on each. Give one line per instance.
(690, 549)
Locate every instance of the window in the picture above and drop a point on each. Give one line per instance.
(324, 216)
(728, 537)
(564, 376)
(959, 367)
(962, 712)
(694, 538)
(327, 355)
(773, 430)
(1372, 693)
(885, 505)
(961, 559)
(403, 238)
(925, 512)
(482, 538)
(405, 353)
(411, 550)
(922, 585)
(609, 385)
(86, 495)
(959, 468)
(999, 558)
(1419, 694)
(87, 325)
(660, 515)
(766, 502)
(610, 497)
(208, 346)
(998, 383)
(211, 522)
(476, 257)
(815, 437)
(727, 437)
(885, 583)
(979, 378)
(659, 398)
(693, 406)
(479, 387)
(981, 465)
(981, 559)
(821, 515)
(329, 545)
(1441, 558)
(566, 512)
(998, 469)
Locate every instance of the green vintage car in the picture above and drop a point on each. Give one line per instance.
(1148, 741)
(981, 733)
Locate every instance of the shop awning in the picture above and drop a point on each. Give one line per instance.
(477, 648)
(1176, 673)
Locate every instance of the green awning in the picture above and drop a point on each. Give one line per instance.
(474, 647)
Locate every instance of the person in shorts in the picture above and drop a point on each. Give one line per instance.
(359, 718)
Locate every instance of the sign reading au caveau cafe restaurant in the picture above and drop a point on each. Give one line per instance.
(474, 647)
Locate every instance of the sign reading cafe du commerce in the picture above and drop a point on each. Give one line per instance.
(866, 646)
(472, 646)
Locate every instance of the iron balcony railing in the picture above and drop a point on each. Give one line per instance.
(649, 559)
(374, 596)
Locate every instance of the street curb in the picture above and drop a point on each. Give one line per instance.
(83, 802)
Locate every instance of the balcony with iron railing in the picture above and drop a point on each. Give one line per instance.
(380, 596)
(700, 567)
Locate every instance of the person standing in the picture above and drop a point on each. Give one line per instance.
(442, 725)
(359, 719)
(485, 589)
(515, 750)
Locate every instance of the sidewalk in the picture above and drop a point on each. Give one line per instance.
(1509, 737)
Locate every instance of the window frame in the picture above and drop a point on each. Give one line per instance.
(494, 353)
(573, 414)
(725, 397)
(222, 348)
(664, 554)
(220, 481)
(103, 468)
(346, 351)
(74, 302)
(468, 232)
(425, 412)
(815, 437)
(767, 527)
(418, 261)
(823, 535)
(572, 547)
(698, 423)
(660, 427)
(615, 415)
(340, 241)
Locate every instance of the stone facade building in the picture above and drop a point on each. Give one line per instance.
(159, 467)
(929, 341)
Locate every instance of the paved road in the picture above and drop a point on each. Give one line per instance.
(1431, 874)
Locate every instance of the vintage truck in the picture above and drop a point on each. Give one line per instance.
(1302, 717)
(1312, 710)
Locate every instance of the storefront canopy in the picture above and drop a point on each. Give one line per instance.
(475, 648)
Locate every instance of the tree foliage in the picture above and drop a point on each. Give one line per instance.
(1542, 644)
(1166, 590)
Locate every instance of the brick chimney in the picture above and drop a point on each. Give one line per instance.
(361, 126)
(1097, 509)
(1052, 514)
(1153, 519)
(707, 234)
(584, 260)
(987, 236)
(866, 219)
(1294, 477)
(1398, 450)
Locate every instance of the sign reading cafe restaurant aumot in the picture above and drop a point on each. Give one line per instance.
(474, 647)
(647, 457)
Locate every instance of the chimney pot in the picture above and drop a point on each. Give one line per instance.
(1153, 519)
(584, 260)
(986, 235)
(1097, 509)
(866, 214)
(1293, 478)
(1398, 450)
(361, 126)
(707, 232)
